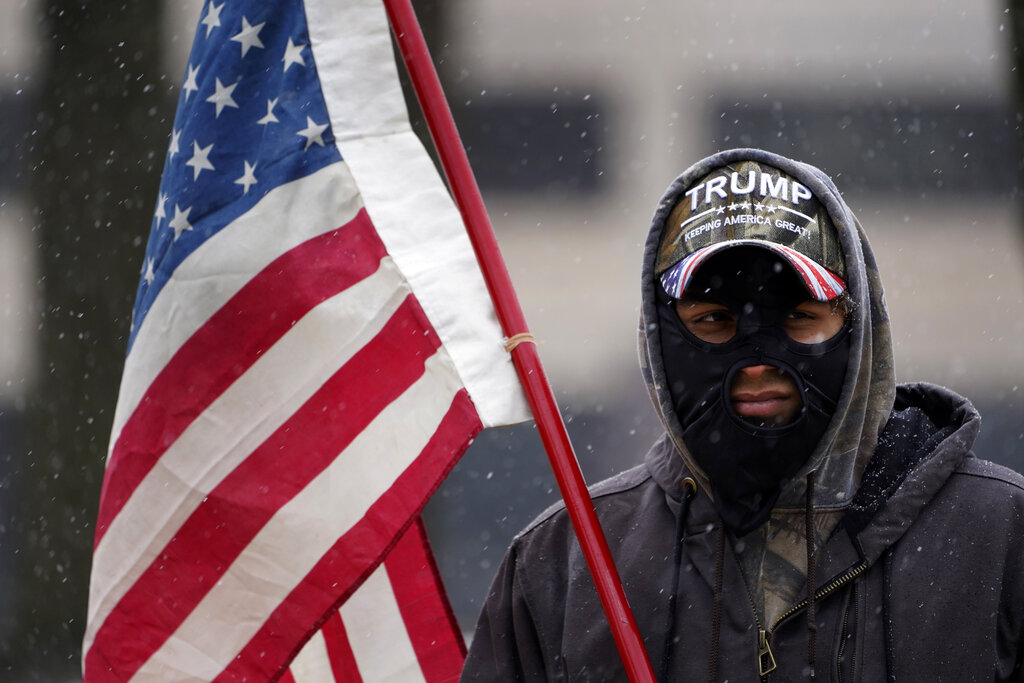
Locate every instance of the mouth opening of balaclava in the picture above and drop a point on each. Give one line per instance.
(747, 458)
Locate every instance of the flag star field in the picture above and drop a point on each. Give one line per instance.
(251, 117)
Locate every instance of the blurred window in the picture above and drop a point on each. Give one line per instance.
(534, 143)
(15, 113)
(882, 145)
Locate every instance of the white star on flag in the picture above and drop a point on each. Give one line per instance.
(269, 118)
(160, 213)
(212, 18)
(313, 132)
(293, 54)
(149, 275)
(190, 81)
(248, 178)
(248, 37)
(180, 221)
(222, 97)
(199, 161)
(172, 149)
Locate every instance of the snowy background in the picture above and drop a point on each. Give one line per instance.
(577, 115)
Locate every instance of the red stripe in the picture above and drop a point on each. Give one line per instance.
(425, 609)
(356, 554)
(811, 273)
(228, 344)
(231, 515)
(339, 650)
(287, 677)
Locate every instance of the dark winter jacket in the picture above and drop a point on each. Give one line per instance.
(918, 546)
(924, 582)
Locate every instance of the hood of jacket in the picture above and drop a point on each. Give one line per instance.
(866, 398)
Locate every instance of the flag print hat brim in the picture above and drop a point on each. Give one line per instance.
(821, 283)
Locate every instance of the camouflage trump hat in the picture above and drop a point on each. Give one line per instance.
(749, 203)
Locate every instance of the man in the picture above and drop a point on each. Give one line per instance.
(790, 459)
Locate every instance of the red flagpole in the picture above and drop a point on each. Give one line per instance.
(531, 374)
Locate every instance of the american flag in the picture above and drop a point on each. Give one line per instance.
(312, 348)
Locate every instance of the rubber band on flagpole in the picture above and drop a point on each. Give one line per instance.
(516, 339)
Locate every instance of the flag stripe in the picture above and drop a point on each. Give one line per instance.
(233, 427)
(358, 550)
(809, 275)
(284, 219)
(339, 650)
(340, 499)
(420, 595)
(252, 321)
(311, 664)
(283, 465)
(828, 285)
(446, 288)
(368, 115)
(377, 633)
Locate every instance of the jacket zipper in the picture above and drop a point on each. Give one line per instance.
(844, 635)
(765, 659)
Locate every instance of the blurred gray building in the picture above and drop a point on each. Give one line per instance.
(580, 117)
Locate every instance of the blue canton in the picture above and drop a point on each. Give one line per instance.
(251, 116)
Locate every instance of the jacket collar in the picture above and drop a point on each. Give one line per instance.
(945, 423)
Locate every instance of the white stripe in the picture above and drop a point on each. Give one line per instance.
(698, 257)
(809, 278)
(232, 427)
(807, 218)
(312, 664)
(286, 217)
(829, 285)
(295, 539)
(693, 218)
(352, 47)
(689, 269)
(834, 282)
(377, 633)
(801, 263)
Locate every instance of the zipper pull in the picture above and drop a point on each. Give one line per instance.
(765, 658)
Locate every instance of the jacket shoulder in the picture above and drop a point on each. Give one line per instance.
(973, 466)
(630, 479)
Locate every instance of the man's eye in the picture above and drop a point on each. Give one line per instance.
(715, 317)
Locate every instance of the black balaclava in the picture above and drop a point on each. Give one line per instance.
(747, 463)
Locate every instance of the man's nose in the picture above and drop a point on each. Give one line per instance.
(756, 372)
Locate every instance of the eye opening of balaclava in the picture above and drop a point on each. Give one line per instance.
(747, 460)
